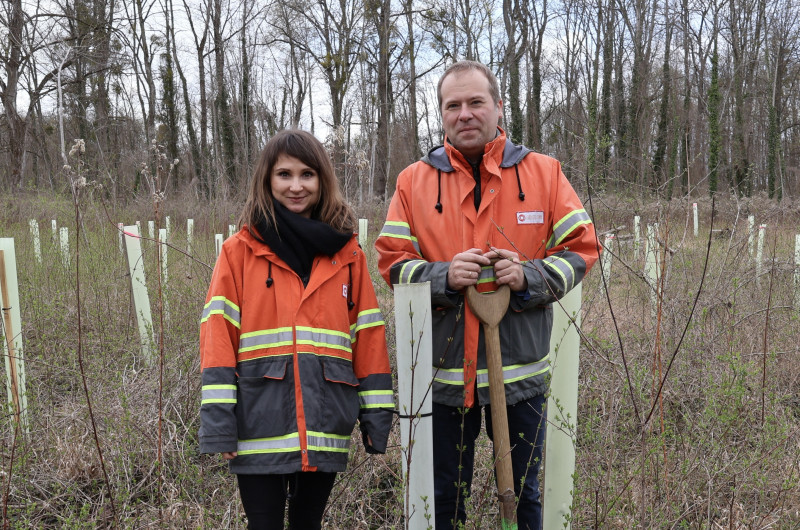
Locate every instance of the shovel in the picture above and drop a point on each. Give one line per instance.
(490, 309)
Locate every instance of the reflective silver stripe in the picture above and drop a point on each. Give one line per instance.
(277, 444)
(451, 376)
(567, 224)
(219, 305)
(408, 269)
(366, 319)
(270, 338)
(511, 374)
(399, 230)
(218, 394)
(323, 338)
(487, 275)
(372, 399)
(320, 441)
(516, 372)
(563, 268)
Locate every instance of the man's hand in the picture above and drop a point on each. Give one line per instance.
(507, 268)
(465, 268)
(229, 456)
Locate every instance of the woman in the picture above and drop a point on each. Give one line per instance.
(292, 342)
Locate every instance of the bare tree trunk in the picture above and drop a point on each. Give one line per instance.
(382, 157)
(663, 122)
(538, 25)
(516, 48)
(201, 154)
(12, 61)
(412, 80)
(224, 120)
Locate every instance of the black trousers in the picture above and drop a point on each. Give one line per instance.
(264, 499)
(454, 435)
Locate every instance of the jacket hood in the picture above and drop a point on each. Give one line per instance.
(512, 155)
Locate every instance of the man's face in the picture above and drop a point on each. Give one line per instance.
(469, 115)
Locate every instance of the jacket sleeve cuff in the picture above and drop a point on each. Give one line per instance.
(441, 294)
(375, 424)
(218, 445)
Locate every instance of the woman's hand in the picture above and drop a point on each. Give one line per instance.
(229, 456)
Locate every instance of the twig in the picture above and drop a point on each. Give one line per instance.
(691, 313)
(766, 333)
(75, 195)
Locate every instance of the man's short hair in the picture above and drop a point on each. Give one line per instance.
(463, 66)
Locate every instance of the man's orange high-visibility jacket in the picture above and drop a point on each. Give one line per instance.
(527, 205)
(287, 369)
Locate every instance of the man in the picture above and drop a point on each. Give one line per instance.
(483, 211)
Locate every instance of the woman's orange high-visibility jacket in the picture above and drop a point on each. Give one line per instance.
(527, 205)
(287, 369)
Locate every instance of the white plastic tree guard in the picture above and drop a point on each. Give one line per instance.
(694, 212)
(412, 313)
(608, 246)
(231, 230)
(636, 236)
(797, 271)
(762, 229)
(751, 225)
(54, 227)
(218, 243)
(162, 254)
(37, 245)
(11, 333)
(64, 238)
(163, 251)
(652, 265)
(189, 235)
(151, 229)
(362, 233)
(120, 233)
(562, 412)
(141, 300)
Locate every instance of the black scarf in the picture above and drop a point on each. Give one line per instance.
(297, 240)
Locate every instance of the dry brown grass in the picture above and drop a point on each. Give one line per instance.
(718, 462)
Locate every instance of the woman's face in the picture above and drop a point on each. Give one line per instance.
(295, 185)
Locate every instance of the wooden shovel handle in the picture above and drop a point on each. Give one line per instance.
(500, 433)
(490, 309)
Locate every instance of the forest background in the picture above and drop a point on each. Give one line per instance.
(688, 413)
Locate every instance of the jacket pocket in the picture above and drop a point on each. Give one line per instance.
(340, 397)
(265, 406)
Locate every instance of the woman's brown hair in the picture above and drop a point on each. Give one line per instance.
(331, 208)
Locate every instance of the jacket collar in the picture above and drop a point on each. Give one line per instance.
(346, 255)
(501, 148)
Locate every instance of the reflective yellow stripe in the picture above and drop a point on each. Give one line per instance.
(366, 319)
(399, 230)
(408, 269)
(566, 225)
(218, 394)
(219, 305)
(277, 444)
(373, 399)
(335, 443)
(511, 374)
